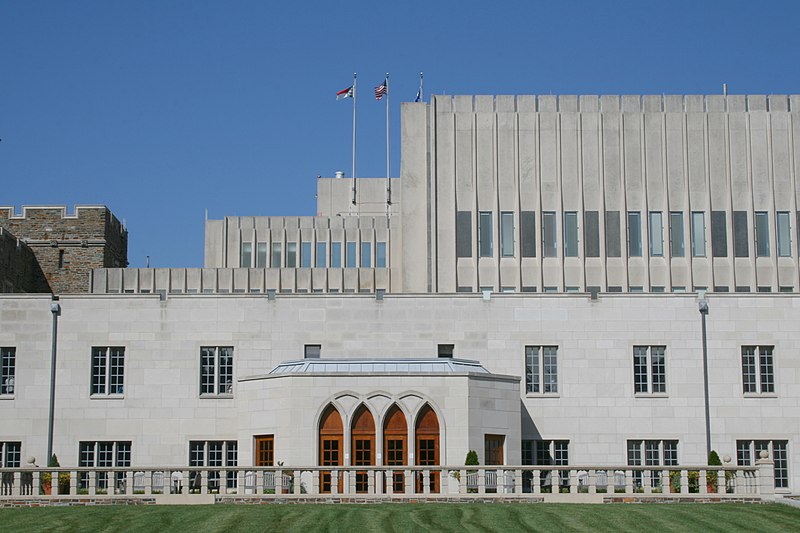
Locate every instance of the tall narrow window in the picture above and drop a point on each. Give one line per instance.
(634, 234)
(570, 234)
(549, 235)
(784, 234)
(719, 234)
(366, 255)
(350, 254)
(216, 370)
(108, 370)
(527, 232)
(463, 234)
(507, 234)
(61, 258)
(541, 369)
(380, 255)
(261, 255)
(291, 254)
(758, 373)
(322, 255)
(656, 233)
(649, 369)
(613, 248)
(305, 255)
(676, 247)
(591, 233)
(762, 234)
(275, 260)
(698, 234)
(247, 255)
(336, 255)
(8, 362)
(740, 244)
(485, 234)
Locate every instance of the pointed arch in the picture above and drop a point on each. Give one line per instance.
(362, 446)
(426, 431)
(331, 444)
(395, 445)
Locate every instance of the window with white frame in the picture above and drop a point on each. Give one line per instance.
(103, 454)
(758, 372)
(220, 454)
(10, 454)
(748, 452)
(541, 369)
(546, 453)
(216, 370)
(649, 369)
(651, 453)
(8, 361)
(108, 370)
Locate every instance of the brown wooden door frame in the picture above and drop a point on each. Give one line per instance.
(493, 443)
(264, 457)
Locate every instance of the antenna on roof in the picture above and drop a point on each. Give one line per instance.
(725, 89)
(206, 214)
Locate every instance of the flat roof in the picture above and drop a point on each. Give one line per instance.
(373, 366)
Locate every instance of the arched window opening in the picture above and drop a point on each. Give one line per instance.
(331, 438)
(363, 446)
(395, 446)
(427, 446)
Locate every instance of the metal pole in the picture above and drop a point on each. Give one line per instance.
(703, 307)
(55, 309)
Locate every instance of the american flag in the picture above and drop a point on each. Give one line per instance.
(380, 90)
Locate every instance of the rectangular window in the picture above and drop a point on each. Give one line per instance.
(570, 234)
(10, 454)
(656, 233)
(305, 255)
(527, 233)
(591, 233)
(485, 234)
(214, 453)
(541, 369)
(758, 374)
(446, 350)
(312, 351)
(108, 370)
(698, 234)
(613, 248)
(741, 248)
(291, 255)
(719, 234)
(651, 453)
(104, 454)
(545, 453)
(380, 255)
(216, 370)
(8, 363)
(676, 247)
(336, 255)
(762, 234)
(275, 259)
(366, 255)
(649, 369)
(748, 451)
(261, 255)
(463, 234)
(634, 234)
(549, 234)
(350, 254)
(784, 234)
(507, 234)
(322, 255)
(247, 255)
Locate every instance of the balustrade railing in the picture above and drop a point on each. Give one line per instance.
(331, 481)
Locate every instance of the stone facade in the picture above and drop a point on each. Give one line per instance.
(19, 270)
(68, 246)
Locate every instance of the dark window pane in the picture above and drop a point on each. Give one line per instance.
(463, 234)
(528, 233)
(612, 234)
(719, 234)
(740, 245)
(591, 233)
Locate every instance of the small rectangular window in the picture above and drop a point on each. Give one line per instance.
(649, 369)
(446, 350)
(291, 254)
(247, 255)
(719, 234)
(485, 234)
(613, 247)
(108, 370)
(10, 455)
(698, 234)
(305, 255)
(8, 363)
(747, 451)
(275, 259)
(507, 234)
(312, 351)
(336, 255)
(61, 258)
(784, 235)
(261, 255)
(762, 234)
(570, 234)
(380, 255)
(105, 454)
(217, 453)
(634, 234)
(463, 234)
(216, 370)
(758, 374)
(366, 255)
(549, 234)
(350, 254)
(527, 232)
(541, 369)
(676, 246)
(591, 233)
(740, 237)
(321, 260)
(656, 234)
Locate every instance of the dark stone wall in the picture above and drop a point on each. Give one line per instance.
(19, 269)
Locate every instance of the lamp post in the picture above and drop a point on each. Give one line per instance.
(702, 306)
(55, 309)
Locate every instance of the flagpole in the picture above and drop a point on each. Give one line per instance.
(421, 96)
(388, 180)
(355, 93)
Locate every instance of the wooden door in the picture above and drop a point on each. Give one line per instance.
(363, 446)
(493, 449)
(265, 450)
(427, 432)
(330, 448)
(395, 448)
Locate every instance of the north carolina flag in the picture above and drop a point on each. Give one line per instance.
(345, 93)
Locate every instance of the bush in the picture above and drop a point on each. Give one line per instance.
(471, 459)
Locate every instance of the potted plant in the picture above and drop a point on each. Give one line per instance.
(472, 460)
(712, 481)
(47, 478)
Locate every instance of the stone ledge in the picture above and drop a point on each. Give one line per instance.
(682, 499)
(73, 502)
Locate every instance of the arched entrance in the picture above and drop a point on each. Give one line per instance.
(331, 438)
(395, 446)
(427, 446)
(363, 446)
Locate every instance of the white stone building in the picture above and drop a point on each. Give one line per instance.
(529, 289)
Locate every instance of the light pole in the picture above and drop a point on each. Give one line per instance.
(702, 306)
(55, 309)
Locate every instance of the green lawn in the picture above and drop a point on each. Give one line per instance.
(407, 517)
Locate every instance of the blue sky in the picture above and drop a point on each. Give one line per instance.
(163, 109)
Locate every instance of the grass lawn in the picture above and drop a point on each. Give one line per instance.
(407, 517)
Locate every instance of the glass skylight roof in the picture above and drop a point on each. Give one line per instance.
(379, 366)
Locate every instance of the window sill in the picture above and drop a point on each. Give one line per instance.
(543, 395)
(106, 396)
(650, 395)
(760, 395)
(6, 397)
(216, 396)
